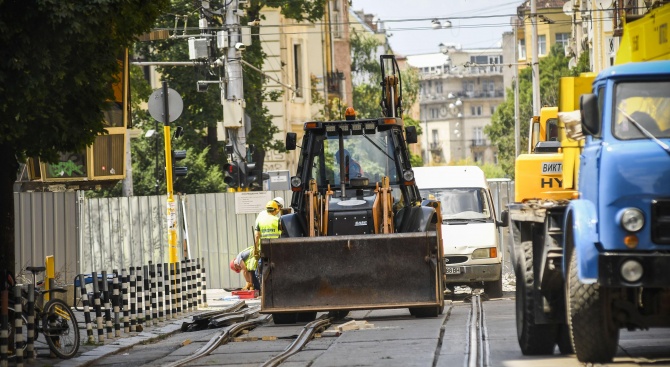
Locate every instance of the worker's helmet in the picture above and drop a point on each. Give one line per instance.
(233, 267)
(279, 201)
(272, 207)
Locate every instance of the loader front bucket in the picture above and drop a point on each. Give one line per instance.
(351, 272)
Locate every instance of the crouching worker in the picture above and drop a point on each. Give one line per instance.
(246, 263)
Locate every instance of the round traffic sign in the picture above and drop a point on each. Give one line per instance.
(157, 106)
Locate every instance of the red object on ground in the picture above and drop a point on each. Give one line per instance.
(245, 294)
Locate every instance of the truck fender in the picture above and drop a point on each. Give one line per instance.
(580, 224)
(291, 225)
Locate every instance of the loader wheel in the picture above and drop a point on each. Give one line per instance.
(306, 316)
(534, 339)
(285, 318)
(494, 289)
(422, 312)
(595, 335)
(339, 314)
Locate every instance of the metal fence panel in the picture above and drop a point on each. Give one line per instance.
(45, 223)
(95, 234)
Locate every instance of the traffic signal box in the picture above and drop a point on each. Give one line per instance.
(178, 155)
(232, 172)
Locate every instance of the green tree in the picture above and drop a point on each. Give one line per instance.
(59, 59)
(203, 110)
(501, 129)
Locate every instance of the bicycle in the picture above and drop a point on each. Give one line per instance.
(55, 320)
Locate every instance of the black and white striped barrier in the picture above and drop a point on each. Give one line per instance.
(140, 295)
(204, 284)
(117, 302)
(125, 300)
(166, 291)
(147, 296)
(18, 327)
(30, 310)
(98, 308)
(107, 305)
(83, 292)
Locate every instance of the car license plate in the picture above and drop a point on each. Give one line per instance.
(453, 270)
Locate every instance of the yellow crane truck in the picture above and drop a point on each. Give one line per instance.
(591, 218)
(360, 236)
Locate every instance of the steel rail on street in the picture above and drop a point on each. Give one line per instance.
(221, 338)
(305, 336)
(477, 338)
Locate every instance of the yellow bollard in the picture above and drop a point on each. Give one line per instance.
(50, 274)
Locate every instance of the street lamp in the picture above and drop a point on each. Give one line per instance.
(456, 110)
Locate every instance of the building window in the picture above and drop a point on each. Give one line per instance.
(337, 33)
(542, 45)
(563, 39)
(493, 109)
(522, 49)
(476, 110)
(479, 157)
(434, 113)
(478, 135)
(297, 70)
(438, 87)
(436, 136)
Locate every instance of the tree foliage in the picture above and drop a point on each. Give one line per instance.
(203, 109)
(501, 129)
(57, 62)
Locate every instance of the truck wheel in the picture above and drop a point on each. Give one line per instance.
(422, 312)
(594, 332)
(534, 339)
(285, 318)
(494, 289)
(563, 340)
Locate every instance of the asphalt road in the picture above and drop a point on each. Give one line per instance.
(394, 338)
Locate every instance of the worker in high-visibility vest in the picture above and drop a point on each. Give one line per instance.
(241, 263)
(267, 226)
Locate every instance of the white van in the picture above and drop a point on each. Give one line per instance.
(472, 250)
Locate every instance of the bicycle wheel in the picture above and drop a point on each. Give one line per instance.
(60, 329)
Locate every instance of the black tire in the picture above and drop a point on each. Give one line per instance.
(563, 340)
(60, 329)
(423, 312)
(306, 316)
(339, 314)
(285, 318)
(534, 339)
(595, 335)
(494, 289)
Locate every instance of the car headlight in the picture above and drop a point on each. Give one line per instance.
(296, 181)
(485, 253)
(632, 219)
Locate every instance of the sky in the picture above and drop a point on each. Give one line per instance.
(409, 22)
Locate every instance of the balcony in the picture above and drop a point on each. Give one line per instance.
(497, 93)
(435, 146)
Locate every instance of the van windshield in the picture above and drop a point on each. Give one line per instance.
(460, 203)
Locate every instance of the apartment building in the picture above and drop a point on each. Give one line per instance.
(459, 92)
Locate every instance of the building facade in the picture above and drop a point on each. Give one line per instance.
(459, 92)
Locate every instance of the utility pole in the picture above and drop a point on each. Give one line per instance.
(233, 100)
(516, 93)
(535, 65)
